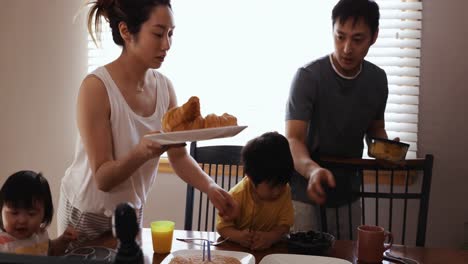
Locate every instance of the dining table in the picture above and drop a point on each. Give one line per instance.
(342, 249)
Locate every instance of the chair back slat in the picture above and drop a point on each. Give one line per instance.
(223, 165)
(424, 205)
(337, 222)
(350, 223)
(200, 199)
(390, 215)
(188, 206)
(377, 195)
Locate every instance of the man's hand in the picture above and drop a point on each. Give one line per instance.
(389, 163)
(318, 179)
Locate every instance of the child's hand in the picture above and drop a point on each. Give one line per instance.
(245, 238)
(262, 240)
(59, 245)
(69, 235)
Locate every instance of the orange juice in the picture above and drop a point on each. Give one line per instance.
(161, 233)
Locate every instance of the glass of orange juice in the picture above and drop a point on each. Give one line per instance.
(161, 232)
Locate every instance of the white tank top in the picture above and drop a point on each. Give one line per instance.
(78, 184)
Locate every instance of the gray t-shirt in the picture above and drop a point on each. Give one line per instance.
(339, 112)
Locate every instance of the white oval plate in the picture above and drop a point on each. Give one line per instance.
(243, 257)
(294, 258)
(195, 134)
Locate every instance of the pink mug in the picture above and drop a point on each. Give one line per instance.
(370, 245)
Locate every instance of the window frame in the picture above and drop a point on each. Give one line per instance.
(402, 39)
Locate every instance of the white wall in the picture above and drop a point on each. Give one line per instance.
(443, 128)
(43, 59)
(166, 201)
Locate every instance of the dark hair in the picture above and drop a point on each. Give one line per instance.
(131, 12)
(23, 189)
(355, 9)
(268, 158)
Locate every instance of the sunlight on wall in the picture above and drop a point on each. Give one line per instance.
(258, 70)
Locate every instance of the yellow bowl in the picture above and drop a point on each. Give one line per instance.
(386, 149)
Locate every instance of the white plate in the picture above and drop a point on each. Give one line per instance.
(195, 134)
(243, 257)
(293, 258)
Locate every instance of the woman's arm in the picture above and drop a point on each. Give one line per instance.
(93, 116)
(189, 171)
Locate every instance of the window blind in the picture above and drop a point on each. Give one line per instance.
(398, 51)
(240, 56)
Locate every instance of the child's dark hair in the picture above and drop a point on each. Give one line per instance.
(23, 189)
(355, 9)
(268, 158)
(131, 12)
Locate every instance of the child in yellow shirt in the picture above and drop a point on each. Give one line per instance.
(264, 196)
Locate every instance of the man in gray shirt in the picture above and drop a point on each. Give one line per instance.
(334, 101)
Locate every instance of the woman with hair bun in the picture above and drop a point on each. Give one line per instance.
(117, 104)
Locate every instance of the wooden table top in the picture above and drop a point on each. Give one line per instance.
(344, 249)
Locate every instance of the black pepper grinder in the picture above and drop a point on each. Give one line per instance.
(125, 229)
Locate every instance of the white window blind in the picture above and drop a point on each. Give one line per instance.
(398, 52)
(240, 57)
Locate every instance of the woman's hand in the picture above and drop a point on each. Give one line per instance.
(228, 209)
(148, 149)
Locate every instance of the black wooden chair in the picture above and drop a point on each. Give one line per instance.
(396, 198)
(223, 164)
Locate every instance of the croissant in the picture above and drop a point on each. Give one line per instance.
(226, 119)
(212, 120)
(197, 123)
(180, 118)
(229, 120)
(188, 117)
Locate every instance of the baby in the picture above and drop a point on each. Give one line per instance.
(264, 196)
(27, 210)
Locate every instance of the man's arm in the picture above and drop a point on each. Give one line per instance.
(296, 133)
(377, 129)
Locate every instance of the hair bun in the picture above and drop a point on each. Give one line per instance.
(105, 4)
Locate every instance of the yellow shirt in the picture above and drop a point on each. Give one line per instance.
(260, 216)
